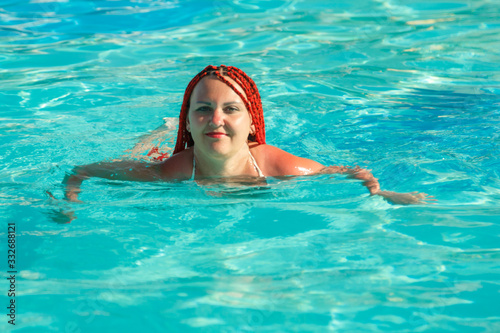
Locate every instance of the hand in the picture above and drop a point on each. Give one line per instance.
(60, 215)
(413, 198)
(71, 194)
(72, 183)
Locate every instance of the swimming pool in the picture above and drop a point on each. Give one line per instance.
(408, 88)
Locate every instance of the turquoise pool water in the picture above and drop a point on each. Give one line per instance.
(408, 88)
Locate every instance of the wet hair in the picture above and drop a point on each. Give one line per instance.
(252, 103)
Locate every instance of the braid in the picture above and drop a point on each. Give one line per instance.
(252, 102)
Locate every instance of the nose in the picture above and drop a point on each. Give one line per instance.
(217, 117)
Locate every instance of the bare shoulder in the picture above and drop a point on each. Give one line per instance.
(178, 166)
(276, 162)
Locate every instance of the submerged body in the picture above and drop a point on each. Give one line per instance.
(221, 134)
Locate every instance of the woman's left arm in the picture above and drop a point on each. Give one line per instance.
(368, 179)
(286, 164)
(374, 187)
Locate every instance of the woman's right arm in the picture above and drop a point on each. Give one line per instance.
(176, 167)
(120, 170)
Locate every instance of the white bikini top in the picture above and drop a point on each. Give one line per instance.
(252, 159)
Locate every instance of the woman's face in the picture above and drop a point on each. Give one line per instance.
(218, 119)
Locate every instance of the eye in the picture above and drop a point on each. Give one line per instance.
(204, 109)
(232, 109)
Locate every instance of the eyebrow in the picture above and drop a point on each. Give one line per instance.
(208, 103)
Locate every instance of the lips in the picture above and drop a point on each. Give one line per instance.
(216, 135)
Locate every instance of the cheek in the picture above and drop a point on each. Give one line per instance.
(242, 123)
(194, 120)
(242, 127)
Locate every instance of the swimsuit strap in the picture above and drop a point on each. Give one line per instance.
(252, 159)
(255, 165)
(194, 168)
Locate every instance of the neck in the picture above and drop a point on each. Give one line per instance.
(223, 166)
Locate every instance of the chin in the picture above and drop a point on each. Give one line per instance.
(218, 148)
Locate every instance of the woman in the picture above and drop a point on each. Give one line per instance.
(221, 135)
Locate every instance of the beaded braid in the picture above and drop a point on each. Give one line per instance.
(252, 102)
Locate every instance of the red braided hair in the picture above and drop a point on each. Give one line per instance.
(252, 103)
